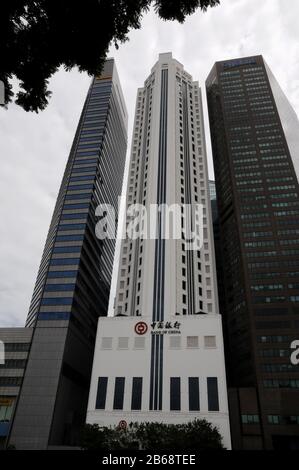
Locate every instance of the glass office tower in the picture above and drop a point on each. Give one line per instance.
(255, 142)
(73, 281)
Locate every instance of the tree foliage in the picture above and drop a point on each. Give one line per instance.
(195, 435)
(39, 36)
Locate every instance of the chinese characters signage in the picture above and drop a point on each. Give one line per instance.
(165, 327)
(158, 328)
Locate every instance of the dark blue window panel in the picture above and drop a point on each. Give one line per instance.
(88, 145)
(4, 428)
(74, 216)
(213, 399)
(194, 394)
(86, 153)
(80, 178)
(78, 196)
(175, 393)
(54, 316)
(91, 131)
(85, 169)
(101, 91)
(67, 249)
(81, 186)
(94, 120)
(119, 390)
(101, 393)
(72, 226)
(102, 85)
(100, 98)
(95, 115)
(58, 274)
(98, 101)
(98, 127)
(70, 238)
(59, 287)
(136, 401)
(95, 111)
(81, 161)
(95, 127)
(94, 106)
(104, 97)
(57, 301)
(80, 205)
(64, 261)
(102, 94)
(91, 137)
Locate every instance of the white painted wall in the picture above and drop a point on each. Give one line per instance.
(201, 362)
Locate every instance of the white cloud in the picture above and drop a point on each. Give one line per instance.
(34, 148)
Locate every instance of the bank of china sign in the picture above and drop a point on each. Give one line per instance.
(158, 328)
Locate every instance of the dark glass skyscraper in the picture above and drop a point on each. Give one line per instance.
(73, 281)
(255, 141)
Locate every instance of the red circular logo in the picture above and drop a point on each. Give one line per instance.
(122, 424)
(141, 328)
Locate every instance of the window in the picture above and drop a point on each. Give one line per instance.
(175, 393)
(13, 364)
(175, 342)
(106, 343)
(192, 342)
(136, 393)
(210, 341)
(59, 287)
(250, 419)
(6, 409)
(281, 383)
(11, 347)
(139, 343)
(274, 339)
(64, 238)
(213, 400)
(67, 249)
(59, 274)
(101, 393)
(123, 343)
(273, 419)
(10, 381)
(194, 394)
(57, 301)
(64, 261)
(54, 316)
(119, 390)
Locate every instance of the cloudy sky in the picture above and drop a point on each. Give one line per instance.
(34, 148)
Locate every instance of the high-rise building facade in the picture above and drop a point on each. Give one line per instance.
(14, 348)
(255, 142)
(160, 357)
(73, 282)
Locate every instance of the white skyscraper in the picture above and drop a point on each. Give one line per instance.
(160, 358)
